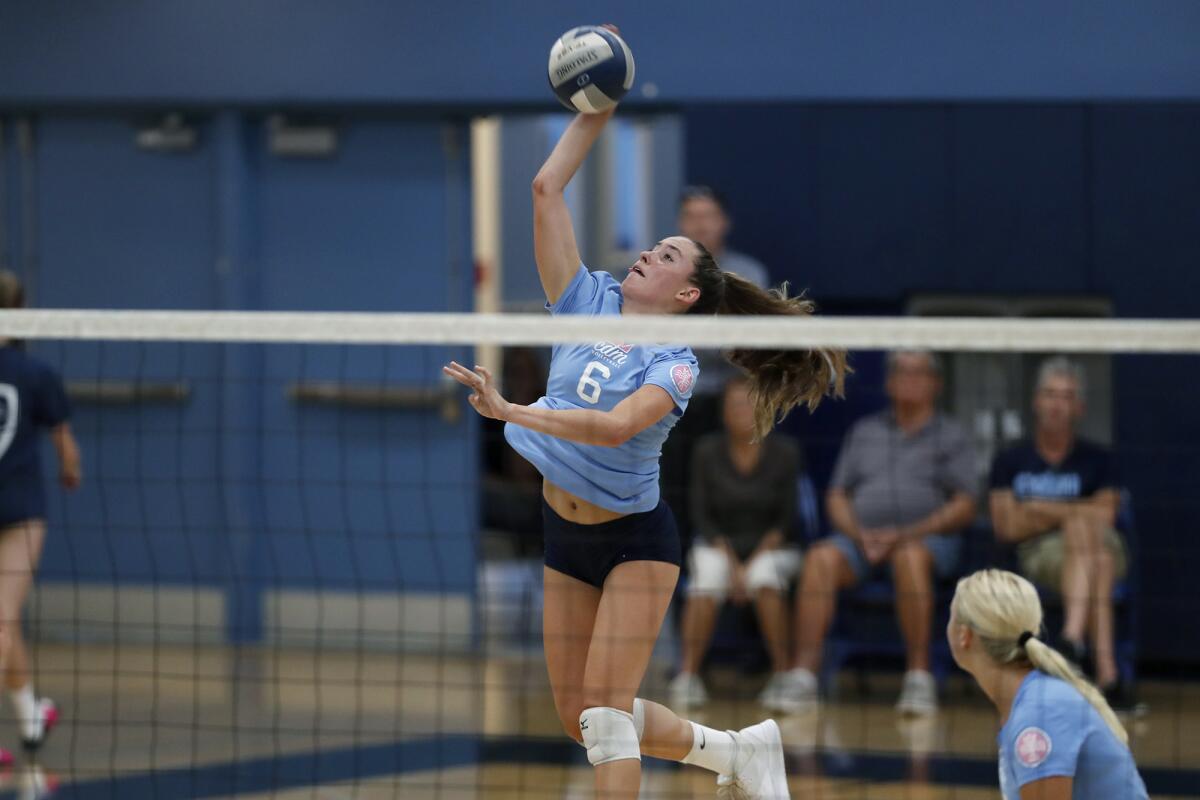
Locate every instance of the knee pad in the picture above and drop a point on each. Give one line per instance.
(639, 719)
(609, 734)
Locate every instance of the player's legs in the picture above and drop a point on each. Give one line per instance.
(665, 735)
(20, 551)
(912, 573)
(570, 607)
(628, 619)
(827, 570)
(568, 616)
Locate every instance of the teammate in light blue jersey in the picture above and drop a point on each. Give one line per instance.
(1059, 740)
(612, 551)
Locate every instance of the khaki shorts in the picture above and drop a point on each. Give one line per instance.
(1041, 559)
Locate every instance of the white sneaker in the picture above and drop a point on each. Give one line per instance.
(687, 691)
(758, 771)
(47, 717)
(774, 697)
(918, 697)
(798, 692)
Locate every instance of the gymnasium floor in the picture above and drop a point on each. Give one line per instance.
(181, 722)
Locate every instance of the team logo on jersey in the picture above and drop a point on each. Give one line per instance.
(681, 374)
(615, 353)
(1033, 747)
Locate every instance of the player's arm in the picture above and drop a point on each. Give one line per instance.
(554, 246)
(1056, 788)
(70, 471)
(613, 428)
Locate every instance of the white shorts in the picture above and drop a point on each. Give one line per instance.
(710, 571)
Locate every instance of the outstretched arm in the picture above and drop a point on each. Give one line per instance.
(554, 245)
(613, 428)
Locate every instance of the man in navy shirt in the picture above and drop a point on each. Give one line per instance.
(1056, 498)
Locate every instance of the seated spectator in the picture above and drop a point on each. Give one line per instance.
(901, 493)
(743, 499)
(1056, 497)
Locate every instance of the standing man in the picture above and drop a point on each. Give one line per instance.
(902, 491)
(1056, 498)
(704, 218)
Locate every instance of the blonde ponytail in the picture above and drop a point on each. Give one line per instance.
(1046, 659)
(1004, 611)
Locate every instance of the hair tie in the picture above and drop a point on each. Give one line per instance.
(1023, 638)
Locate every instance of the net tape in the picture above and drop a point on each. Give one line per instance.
(981, 334)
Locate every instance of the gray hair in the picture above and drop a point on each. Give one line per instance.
(1061, 366)
(935, 363)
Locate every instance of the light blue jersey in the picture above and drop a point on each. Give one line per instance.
(598, 376)
(1054, 731)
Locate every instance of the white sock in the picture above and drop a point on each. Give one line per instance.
(26, 705)
(712, 749)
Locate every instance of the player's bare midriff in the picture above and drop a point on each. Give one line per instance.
(575, 509)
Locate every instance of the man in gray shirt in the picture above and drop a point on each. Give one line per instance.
(902, 491)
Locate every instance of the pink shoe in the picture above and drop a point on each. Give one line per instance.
(48, 718)
(6, 759)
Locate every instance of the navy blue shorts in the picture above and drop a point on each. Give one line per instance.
(21, 497)
(589, 552)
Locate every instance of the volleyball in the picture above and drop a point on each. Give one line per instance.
(591, 69)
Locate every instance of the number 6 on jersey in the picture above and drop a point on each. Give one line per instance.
(589, 388)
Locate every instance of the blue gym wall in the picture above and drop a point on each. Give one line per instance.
(487, 51)
(241, 488)
(1080, 174)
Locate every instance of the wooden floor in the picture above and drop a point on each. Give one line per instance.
(214, 722)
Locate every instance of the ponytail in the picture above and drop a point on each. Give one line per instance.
(1004, 611)
(779, 379)
(1045, 658)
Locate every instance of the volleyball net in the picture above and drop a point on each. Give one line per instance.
(299, 559)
